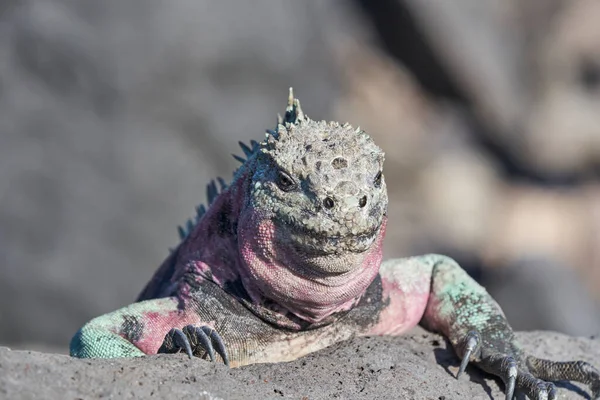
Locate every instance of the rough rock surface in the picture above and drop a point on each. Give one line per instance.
(416, 366)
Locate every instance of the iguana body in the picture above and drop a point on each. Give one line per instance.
(287, 260)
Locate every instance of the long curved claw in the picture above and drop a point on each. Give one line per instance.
(199, 339)
(552, 393)
(503, 366)
(541, 391)
(463, 364)
(511, 377)
(217, 342)
(533, 387)
(175, 341)
(472, 342)
(182, 342)
(192, 339)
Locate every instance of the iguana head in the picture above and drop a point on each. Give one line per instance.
(322, 186)
(314, 211)
(298, 233)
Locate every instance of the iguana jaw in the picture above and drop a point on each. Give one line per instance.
(295, 280)
(314, 244)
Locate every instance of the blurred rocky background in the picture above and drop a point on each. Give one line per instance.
(114, 115)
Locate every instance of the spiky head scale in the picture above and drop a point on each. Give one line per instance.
(329, 149)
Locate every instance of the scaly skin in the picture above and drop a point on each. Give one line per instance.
(287, 260)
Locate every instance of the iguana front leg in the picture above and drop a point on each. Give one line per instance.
(148, 327)
(455, 305)
(169, 325)
(173, 324)
(131, 331)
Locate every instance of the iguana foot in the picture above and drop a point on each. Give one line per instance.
(578, 371)
(529, 376)
(195, 341)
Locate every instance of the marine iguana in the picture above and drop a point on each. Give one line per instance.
(287, 259)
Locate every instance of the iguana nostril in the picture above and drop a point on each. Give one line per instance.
(362, 202)
(339, 163)
(328, 202)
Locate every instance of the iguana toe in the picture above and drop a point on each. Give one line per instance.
(579, 371)
(535, 388)
(506, 367)
(552, 393)
(195, 341)
(471, 347)
(217, 343)
(521, 373)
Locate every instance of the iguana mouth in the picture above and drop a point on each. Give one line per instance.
(330, 237)
(320, 256)
(318, 243)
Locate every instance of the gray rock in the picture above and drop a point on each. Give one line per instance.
(417, 366)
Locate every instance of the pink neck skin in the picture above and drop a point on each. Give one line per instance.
(266, 270)
(272, 271)
(210, 251)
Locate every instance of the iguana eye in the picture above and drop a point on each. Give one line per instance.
(328, 202)
(285, 181)
(377, 180)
